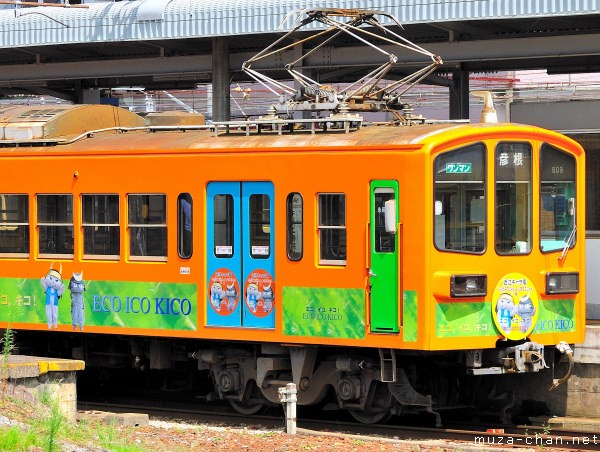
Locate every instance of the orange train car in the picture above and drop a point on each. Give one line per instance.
(353, 261)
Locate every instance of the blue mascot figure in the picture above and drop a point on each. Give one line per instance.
(53, 288)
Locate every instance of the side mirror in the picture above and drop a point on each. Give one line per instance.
(391, 220)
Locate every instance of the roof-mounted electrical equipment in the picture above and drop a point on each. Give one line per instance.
(364, 94)
(54, 124)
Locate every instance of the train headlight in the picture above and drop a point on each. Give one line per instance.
(468, 286)
(557, 283)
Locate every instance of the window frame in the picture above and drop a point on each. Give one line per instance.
(290, 223)
(576, 187)
(181, 235)
(17, 224)
(253, 237)
(56, 224)
(379, 221)
(109, 257)
(229, 223)
(130, 225)
(320, 228)
(485, 197)
(530, 200)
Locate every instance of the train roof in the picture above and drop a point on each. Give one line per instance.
(101, 128)
(53, 123)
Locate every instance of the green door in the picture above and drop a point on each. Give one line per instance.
(383, 273)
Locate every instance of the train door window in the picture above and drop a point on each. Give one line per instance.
(557, 198)
(223, 226)
(332, 228)
(513, 198)
(385, 242)
(147, 222)
(100, 222)
(14, 225)
(184, 226)
(460, 200)
(260, 226)
(55, 225)
(295, 226)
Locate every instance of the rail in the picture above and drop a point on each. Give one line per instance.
(462, 434)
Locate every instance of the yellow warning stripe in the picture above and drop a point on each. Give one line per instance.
(45, 366)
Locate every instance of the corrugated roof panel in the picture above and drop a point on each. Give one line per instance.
(120, 21)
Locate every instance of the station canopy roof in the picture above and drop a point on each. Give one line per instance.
(150, 20)
(167, 44)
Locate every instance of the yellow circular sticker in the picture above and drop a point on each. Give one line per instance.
(515, 306)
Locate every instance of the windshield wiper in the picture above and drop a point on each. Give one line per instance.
(568, 243)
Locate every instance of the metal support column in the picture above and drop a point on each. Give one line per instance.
(221, 109)
(287, 396)
(459, 95)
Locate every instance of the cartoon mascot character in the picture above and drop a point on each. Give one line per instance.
(53, 288)
(268, 297)
(505, 311)
(526, 310)
(77, 287)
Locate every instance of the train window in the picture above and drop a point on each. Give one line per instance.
(55, 225)
(332, 228)
(294, 227)
(184, 226)
(513, 198)
(260, 226)
(223, 225)
(557, 198)
(147, 222)
(385, 242)
(460, 200)
(14, 225)
(100, 222)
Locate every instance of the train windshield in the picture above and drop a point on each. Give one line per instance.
(513, 198)
(460, 199)
(557, 198)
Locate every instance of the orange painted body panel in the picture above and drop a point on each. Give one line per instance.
(175, 162)
(536, 264)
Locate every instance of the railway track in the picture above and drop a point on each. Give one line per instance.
(476, 435)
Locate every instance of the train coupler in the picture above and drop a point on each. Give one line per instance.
(527, 357)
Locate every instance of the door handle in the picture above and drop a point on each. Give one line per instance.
(371, 273)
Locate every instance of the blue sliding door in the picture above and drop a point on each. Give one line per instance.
(240, 254)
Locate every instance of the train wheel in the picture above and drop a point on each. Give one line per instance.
(378, 405)
(370, 417)
(247, 407)
(252, 403)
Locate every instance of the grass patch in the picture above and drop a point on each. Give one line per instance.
(8, 345)
(14, 438)
(53, 424)
(266, 435)
(44, 396)
(44, 428)
(113, 439)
